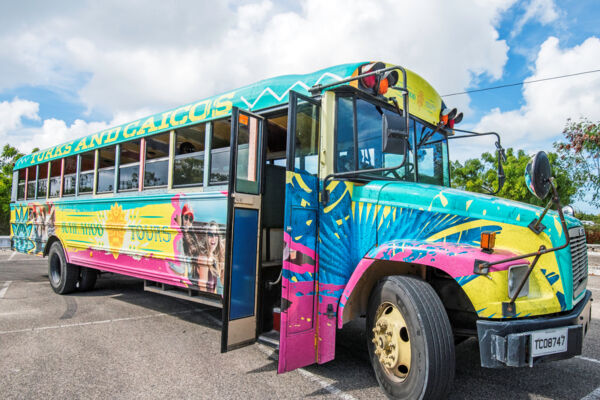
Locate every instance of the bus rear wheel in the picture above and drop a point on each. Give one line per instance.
(63, 276)
(410, 339)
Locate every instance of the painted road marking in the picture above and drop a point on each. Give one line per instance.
(310, 376)
(595, 395)
(14, 253)
(4, 288)
(588, 359)
(105, 321)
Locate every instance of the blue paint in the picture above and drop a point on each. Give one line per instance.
(243, 263)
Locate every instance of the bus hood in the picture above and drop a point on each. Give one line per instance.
(436, 199)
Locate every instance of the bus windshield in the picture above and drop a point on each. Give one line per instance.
(359, 126)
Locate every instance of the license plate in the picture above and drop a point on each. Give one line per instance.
(550, 341)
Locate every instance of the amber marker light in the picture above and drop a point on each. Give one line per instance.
(488, 240)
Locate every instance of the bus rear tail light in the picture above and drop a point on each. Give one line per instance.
(276, 318)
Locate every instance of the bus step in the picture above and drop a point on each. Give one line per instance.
(183, 293)
(270, 339)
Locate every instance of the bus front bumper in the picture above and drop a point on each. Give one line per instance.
(522, 342)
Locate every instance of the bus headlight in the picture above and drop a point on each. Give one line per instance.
(516, 273)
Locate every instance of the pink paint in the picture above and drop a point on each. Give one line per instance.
(456, 260)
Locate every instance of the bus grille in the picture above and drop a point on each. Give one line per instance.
(579, 259)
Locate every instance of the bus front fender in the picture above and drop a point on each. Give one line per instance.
(400, 257)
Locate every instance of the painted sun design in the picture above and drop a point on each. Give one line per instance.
(115, 224)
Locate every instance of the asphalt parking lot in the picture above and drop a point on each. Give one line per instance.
(121, 342)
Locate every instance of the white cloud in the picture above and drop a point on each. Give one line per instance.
(543, 11)
(548, 105)
(121, 56)
(13, 112)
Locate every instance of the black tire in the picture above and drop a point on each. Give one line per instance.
(87, 279)
(63, 276)
(426, 331)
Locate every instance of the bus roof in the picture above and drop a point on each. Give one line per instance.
(424, 102)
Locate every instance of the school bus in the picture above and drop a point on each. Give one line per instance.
(302, 202)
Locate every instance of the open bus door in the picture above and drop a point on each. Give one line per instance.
(299, 297)
(243, 231)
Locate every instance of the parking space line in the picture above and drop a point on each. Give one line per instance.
(312, 377)
(588, 359)
(4, 288)
(105, 321)
(14, 253)
(595, 395)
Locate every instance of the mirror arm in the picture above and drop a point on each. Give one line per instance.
(536, 225)
(542, 250)
(352, 174)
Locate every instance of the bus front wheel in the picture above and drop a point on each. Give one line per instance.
(410, 339)
(63, 276)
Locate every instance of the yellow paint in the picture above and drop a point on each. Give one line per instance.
(298, 238)
(558, 226)
(304, 203)
(339, 221)
(332, 206)
(309, 222)
(468, 204)
(518, 217)
(337, 235)
(294, 279)
(484, 212)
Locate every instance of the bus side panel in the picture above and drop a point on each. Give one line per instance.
(175, 239)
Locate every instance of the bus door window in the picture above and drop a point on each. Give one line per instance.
(69, 176)
(55, 170)
(21, 190)
(219, 152)
(86, 174)
(106, 169)
(42, 187)
(156, 169)
(306, 151)
(189, 156)
(129, 166)
(31, 173)
(247, 155)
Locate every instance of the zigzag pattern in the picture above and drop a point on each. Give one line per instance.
(270, 91)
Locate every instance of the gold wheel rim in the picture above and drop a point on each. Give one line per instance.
(392, 341)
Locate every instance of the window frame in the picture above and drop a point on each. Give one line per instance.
(353, 93)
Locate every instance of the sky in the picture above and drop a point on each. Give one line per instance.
(69, 68)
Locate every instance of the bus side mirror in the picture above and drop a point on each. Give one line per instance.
(537, 175)
(395, 136)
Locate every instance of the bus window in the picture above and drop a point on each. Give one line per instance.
(42, 188)
(219, 153)
(307, 133)
(431, 157)
(156, 171)
(31, 182)
(129, 166)
(86, 173)
(54, 186)
(106, 169)
(69, 176)
(345, 135)
(189, 156)
(21, 190)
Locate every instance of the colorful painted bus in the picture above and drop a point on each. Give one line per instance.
(303, 202)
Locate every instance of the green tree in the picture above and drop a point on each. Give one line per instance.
(580, 154)
(7, 160)
(477, 175)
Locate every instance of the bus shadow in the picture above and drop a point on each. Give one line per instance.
(131, 291)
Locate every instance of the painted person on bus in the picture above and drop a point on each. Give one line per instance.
(215, 257)
(189, 248)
